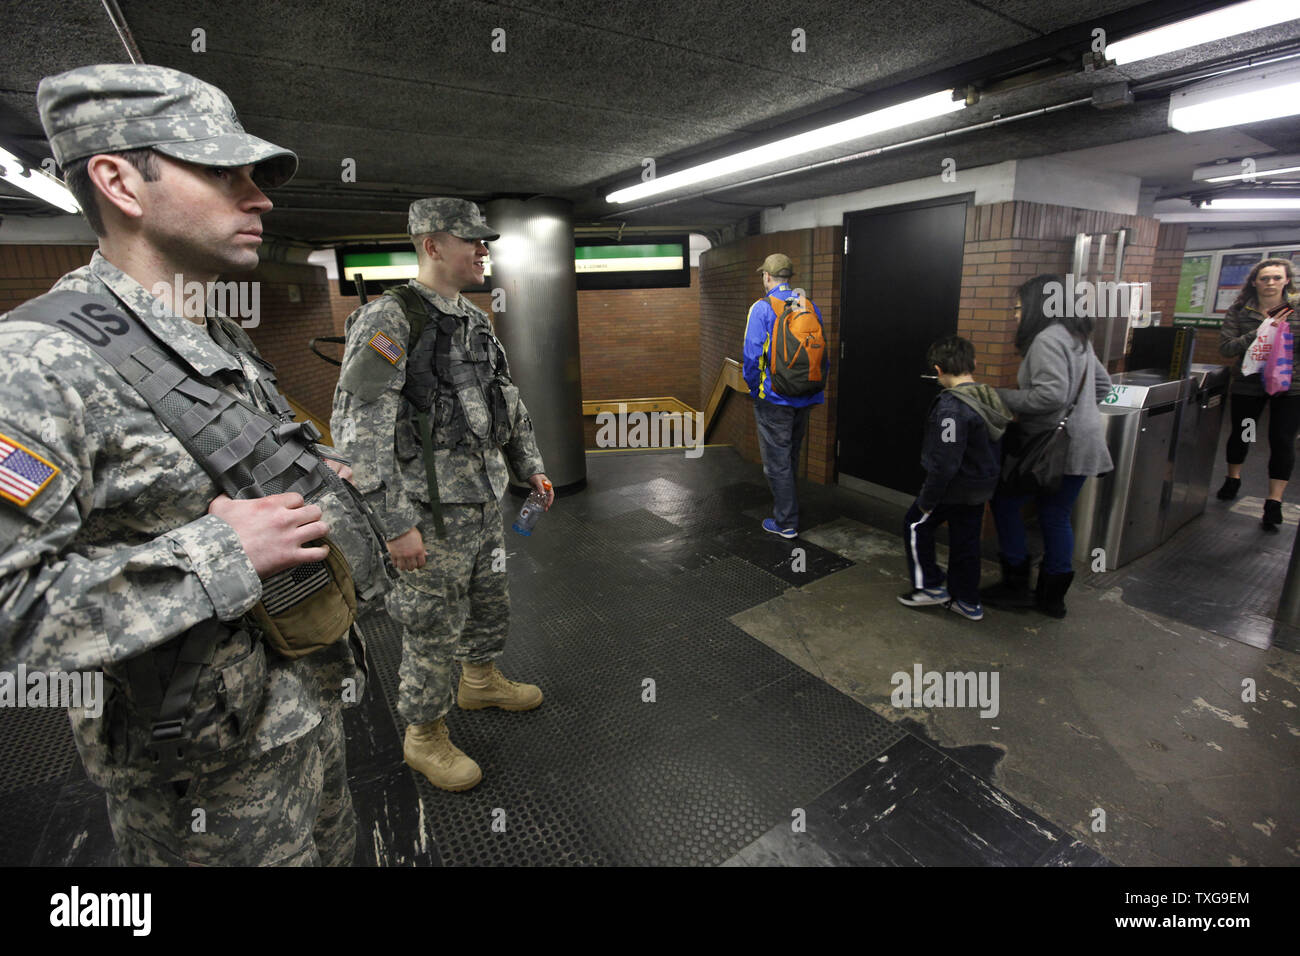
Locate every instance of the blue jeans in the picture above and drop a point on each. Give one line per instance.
(1053, 519)
(780, 435)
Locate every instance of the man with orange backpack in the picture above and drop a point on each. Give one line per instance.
(785, 366)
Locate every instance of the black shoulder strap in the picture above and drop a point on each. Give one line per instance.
(417, 313)
(1087, 362)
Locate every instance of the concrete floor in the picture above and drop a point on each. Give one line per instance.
(1113, 709)
(1121, 725)
(1126, 728)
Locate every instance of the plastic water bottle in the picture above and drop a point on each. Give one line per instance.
(531, 511)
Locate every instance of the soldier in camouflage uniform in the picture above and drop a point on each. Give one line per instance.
(449, 599)
(127, 545)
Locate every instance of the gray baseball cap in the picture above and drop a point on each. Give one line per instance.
(460, 217)
(113, 107)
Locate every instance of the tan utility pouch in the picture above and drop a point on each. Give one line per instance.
(308, 607)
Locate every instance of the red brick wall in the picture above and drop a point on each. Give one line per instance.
(29, 271)
(641, 343)
(281, 336)
(1009, 242)
(729, 285)
(1171, 242)
(635, 343)
(340, 307)
(286, 328)
(1206, 349)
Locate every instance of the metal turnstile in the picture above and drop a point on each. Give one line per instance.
(1198, 445)
(1124, 513)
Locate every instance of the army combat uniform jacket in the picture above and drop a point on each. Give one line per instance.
(372, 420)
(116, 555)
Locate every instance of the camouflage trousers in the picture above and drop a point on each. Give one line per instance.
(455, 607)
(290, 806)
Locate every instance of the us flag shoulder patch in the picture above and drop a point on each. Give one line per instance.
(23, 473)
(387, 348)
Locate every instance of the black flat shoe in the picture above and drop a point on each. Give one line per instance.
(1229, 489)
(1272, 515)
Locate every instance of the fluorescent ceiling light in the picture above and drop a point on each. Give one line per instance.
(1257, 204)
(1251, 96)
(36, 181)
(1225, 22)
(1264, 167)
(891, 117)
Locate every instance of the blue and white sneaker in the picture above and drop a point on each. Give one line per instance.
(924, 597)
(770, 525)
(972, 612)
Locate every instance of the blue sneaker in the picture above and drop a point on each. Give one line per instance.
(770, 525)
(972, 612)
(924, 597)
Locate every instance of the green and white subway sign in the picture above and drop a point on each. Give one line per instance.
(639, 258)
(398, 264)
(380, 266)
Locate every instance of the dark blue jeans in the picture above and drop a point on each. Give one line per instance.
(1053, 519)
(780, 435)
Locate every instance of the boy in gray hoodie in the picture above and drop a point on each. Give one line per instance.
(962, 459)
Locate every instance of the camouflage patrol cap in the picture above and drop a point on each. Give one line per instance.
(777, 265)
(114, 107)
(460, 217)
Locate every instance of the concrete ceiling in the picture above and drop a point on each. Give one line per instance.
(585, 90)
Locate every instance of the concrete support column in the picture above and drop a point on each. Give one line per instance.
(535, 288)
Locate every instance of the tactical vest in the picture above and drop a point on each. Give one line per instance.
(453, 392)
(179, 709)
(457, 384)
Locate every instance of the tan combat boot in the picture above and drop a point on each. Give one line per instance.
(428, 749)
(482, 685)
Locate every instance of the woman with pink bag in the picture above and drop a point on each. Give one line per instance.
(1260, 331)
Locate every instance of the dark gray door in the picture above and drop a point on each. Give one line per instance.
(902, 286)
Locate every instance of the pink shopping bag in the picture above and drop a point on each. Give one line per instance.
(1278, 365)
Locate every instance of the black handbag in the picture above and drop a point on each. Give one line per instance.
(1034, 465)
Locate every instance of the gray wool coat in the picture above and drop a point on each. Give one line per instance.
(1048, 378)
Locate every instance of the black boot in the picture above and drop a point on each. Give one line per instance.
(1050, 593)
(1229, 489)
(1272, 515)
(1013, 591)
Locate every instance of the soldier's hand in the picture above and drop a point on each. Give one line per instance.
(407, 550)
(340, 469)
(542, 485)
(274, 530)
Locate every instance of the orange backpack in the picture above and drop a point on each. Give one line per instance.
(798, 347)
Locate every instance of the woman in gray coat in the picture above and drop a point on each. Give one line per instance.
(1058, 363)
